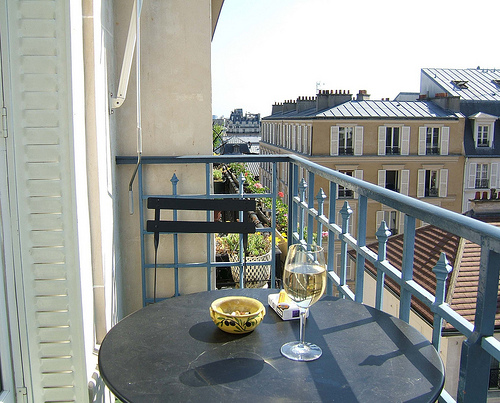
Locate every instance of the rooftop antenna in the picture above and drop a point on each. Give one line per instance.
(319, 84)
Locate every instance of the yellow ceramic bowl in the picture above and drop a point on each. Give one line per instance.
(237, 314)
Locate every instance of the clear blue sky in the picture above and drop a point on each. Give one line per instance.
(267, 51)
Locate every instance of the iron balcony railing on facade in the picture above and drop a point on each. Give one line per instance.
(312, 212)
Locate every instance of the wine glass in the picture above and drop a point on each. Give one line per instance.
(304, 280)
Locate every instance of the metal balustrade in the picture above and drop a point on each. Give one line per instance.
(311, 212)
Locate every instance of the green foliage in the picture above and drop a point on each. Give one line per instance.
(217, 174)
(258, 243)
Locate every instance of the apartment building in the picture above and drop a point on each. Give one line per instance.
(411, 147)
(476, 94)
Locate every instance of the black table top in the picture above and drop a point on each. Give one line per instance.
(172, 351)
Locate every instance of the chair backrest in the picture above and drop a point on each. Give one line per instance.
(174, 203)
(158, 226)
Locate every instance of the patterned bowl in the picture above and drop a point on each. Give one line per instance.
(237, 314)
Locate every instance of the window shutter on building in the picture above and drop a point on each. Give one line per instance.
(334, 140)
(381, 177)
(421, 183)
(401, 228)
(405, 179)
(422, 133)
(405, 141)
(445, 140)
(494, 175)
(358, 140)
(379, 219)
(381, 140)
(471, 183)
(358, 174)
(443, 183)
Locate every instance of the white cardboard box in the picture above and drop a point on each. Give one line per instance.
(292, 312)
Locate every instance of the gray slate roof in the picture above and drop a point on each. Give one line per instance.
(479, 82)
(388, 109)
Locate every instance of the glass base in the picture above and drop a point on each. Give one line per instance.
(297, 351)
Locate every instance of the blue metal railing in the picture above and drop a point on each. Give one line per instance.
(307, 217)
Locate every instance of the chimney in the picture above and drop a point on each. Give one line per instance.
(289, 106)
(304, 103)
(450, 103)
(277, 109)
(362, 96)
(328, 99)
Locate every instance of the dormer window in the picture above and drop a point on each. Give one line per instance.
(483, 129)
(462, 84)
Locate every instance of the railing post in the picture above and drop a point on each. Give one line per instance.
(331, 236)
(320, 197)
(360, 259)
(442, 269)
(407, 268)
(174, 180)
(302, 197)
(475, 361)
(241, 181)
(345, 212)
(382, 235)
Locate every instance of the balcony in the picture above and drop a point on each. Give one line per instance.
(311, 194)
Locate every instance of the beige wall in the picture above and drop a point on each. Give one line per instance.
(176, 120)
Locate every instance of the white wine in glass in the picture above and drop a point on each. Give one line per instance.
(304, 280)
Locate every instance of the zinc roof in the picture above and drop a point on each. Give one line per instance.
(478, 84)
(388, 109)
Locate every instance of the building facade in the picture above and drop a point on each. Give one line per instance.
(411, 147)
(476, 94)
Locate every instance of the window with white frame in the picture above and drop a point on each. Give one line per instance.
(346, 137)
(392, 141)
(432, 182)
(482, 175)
(482, 137)
(484, 129)
(433, 140)
(391, 220)
(482, 180)
(344, 193)
(396, 179)
(346, 140)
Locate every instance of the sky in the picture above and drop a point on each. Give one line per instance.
(267, 51)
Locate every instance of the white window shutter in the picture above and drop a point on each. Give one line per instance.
(381, 177)
(494, 175)
(405, 140)
(443, 183)
(381, 140)
(445, 140)
(358, 140)
(401, 228)
(358, 174)
(334, 140)
(405, 181)
(422, 134)
(471, 183)
(421, 183)
(379, 219)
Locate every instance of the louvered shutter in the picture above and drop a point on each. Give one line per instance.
(334, 140)
(422, 134)
(401, 228)
(405, 140)
(379, 218)
(381, 177)
(44, 177)
(358, 140)
(381, 140)
(405, 179)
(443, 183)
(471, 183)
(445, 140)
(358, 174)
(421, 183)
(494, 175)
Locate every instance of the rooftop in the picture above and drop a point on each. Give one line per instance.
(470, 84)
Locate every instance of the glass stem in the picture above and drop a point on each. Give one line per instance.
(303, 313)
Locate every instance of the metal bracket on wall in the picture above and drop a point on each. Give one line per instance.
(128, 56)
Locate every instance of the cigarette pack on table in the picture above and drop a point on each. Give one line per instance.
(286, 310)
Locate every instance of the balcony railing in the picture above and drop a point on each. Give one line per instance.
(311, 211)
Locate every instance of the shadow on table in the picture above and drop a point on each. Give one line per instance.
(207, 332)
(223, 371)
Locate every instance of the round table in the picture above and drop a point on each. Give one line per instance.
(172, 351)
